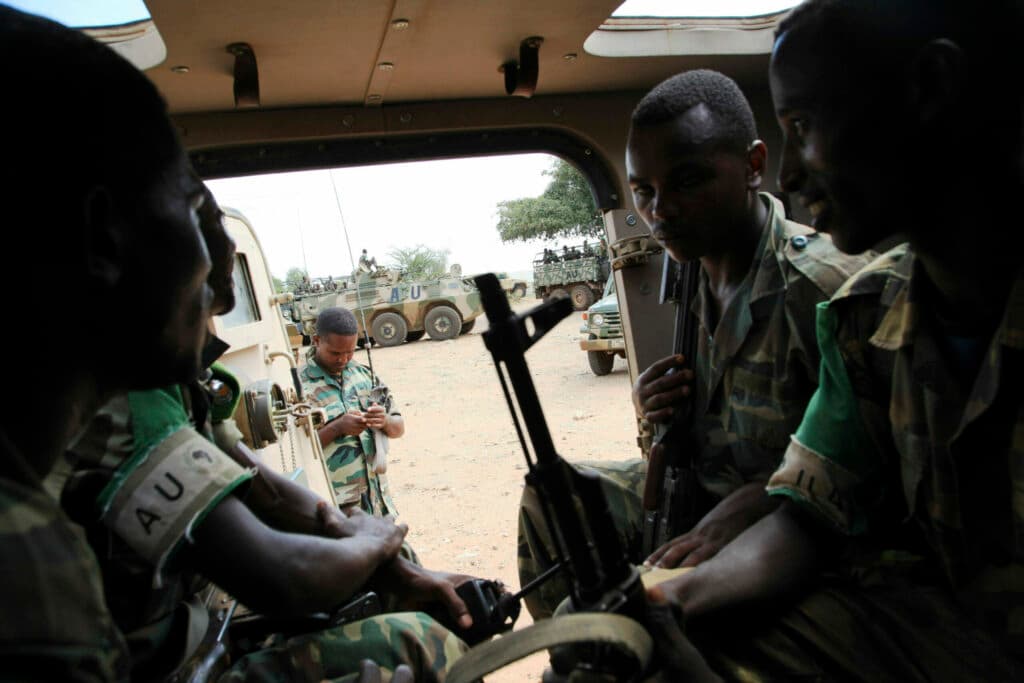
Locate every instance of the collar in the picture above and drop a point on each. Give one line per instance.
(314, 371)
(900, 322)
(768, 269)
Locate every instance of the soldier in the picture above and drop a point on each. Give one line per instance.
(898, 554)
(142, 530)
(111, 205)
(367, 264)
(757, 361)
(359, 426)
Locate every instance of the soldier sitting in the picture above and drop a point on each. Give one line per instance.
(226, 510)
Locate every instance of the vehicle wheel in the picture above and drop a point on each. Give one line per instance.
(466, 327)
(601, 362)
(389, 329)
(557, 292)
(415, 336)
(443, 323)
(519, 291)
(582, 297)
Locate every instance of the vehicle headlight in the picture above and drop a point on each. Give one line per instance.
(597, 319)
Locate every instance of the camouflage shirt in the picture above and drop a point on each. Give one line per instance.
(347, 457)
(758, 368)
(56, 625)
(904, 452)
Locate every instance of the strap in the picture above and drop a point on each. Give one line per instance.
(613, 629)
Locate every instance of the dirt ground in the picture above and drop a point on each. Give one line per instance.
(457, 474)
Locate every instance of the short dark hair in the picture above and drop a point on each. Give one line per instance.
(675, 96)
(78, 117)
(336, 320)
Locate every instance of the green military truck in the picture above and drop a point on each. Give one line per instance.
(578, 272)
(602, 330)
(395, 310)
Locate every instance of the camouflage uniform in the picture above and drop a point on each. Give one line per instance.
(911, 447)
(56, 625)
(354, 481)
(156, 614)
(755, 373)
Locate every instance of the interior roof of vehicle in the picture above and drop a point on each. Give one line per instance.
(311, 52)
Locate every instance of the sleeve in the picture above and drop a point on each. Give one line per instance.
(173, 479)
(831, 459)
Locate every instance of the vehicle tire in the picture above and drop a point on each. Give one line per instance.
(466, 327)
(415, 336)
(389, 329)
(582, 297)
(442, 323)
(557, 292)
(519, 291)
(601, 362)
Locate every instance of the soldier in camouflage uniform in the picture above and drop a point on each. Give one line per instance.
(163, 521)
(898, 554)
(105, 198)
(757, 359)
(343, 388)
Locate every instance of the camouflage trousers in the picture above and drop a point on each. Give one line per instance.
(411, 638)
(623, 484)
(846, 630)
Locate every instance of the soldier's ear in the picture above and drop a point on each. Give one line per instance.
(757, 159)
(103, 239)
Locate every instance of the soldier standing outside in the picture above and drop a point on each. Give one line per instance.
(695, 167)
(898, 553)
(352, 437)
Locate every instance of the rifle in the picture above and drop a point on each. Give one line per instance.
(671, 488)
(575, 510)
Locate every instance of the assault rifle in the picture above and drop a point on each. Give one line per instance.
(575, 510)
(671, 491)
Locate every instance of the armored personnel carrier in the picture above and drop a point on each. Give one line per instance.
(394, 309)
(578, 272)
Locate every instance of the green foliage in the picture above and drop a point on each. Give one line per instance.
(565, 210)
(420, 262)
(279, 285)
(293, 278)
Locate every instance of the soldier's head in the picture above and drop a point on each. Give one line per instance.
(101, 192)
(222, 254)
(882, 101)
(335, 339)
(695, 163)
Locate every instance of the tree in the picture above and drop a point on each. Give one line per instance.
(293, 278)
(279, 285)
(420, 262)
(565, 209)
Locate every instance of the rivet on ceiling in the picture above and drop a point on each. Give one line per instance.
(386, 66)
(400, 24)
(180, 69)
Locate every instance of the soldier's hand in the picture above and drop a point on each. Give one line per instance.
(375, 416)
(337, 524)
(657, 391)
(695, 546)
(417, 588)
(352, 423)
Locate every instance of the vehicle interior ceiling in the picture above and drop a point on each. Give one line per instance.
(267, 86)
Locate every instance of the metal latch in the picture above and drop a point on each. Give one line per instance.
(633, 251)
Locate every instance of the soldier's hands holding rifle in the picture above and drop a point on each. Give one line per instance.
(661, 388)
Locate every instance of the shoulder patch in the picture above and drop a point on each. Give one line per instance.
(816, 258)
(877, 275)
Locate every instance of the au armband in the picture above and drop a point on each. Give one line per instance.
(157, 497)
(818, 484)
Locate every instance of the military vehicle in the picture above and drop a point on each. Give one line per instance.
(394, 309)
(516, 289)
(578, 272)
(602, 329)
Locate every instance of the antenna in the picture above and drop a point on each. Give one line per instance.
(352, 262)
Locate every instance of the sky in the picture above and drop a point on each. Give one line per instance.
(448, 204)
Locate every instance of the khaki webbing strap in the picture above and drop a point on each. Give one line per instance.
(612, 629)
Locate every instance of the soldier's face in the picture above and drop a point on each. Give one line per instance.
(222, 254)
(334, 351)
(165, 281)
(842, 144)
(689, 189)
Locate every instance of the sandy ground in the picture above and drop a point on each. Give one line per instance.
(457, 474)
